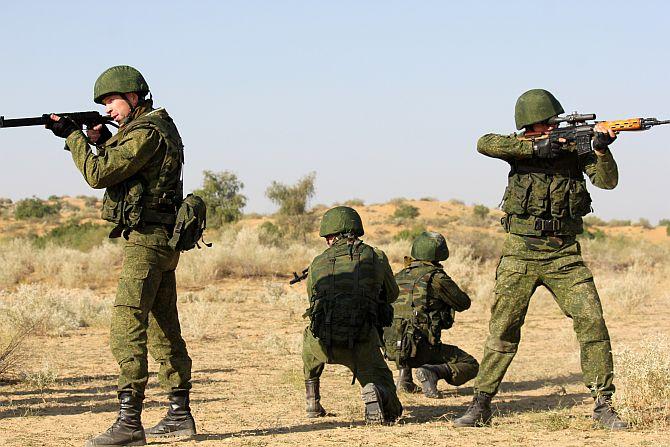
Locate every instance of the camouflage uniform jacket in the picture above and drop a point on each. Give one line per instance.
(547, 194)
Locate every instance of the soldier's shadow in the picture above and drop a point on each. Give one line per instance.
(510, 400)
(272, 431)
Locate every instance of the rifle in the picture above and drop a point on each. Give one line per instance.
(579, 132)
(88, 119)
(297, 279)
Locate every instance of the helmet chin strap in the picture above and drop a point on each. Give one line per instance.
(130, 104)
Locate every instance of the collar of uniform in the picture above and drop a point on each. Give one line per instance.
(420, 263)
(143, 108)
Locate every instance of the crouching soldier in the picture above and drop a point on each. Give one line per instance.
(426, 306)
(350, 286)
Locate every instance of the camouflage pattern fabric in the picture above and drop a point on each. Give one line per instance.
(435, 300)
(553, 190)
(464, 367)
(557, 264)
(365, 360)
(144, 318)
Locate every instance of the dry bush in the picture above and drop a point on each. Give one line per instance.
(201, 320)
(627, 291)
(620, 253)
(52, 311)
(16, 262)
(20, 261)
(241, 254)
(12, 340)
(643, 383)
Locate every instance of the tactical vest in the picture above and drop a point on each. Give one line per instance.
(546, 196)
(417, 315)
(344, 296)
(153, 194)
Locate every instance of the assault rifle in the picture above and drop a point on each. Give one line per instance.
(88, 119)
(297, 278)
(579, 132)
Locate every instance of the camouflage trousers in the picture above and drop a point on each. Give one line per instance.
(145, 314)
(463, 366)
(557, 264)
(365, 360)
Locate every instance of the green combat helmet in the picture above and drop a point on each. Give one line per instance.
(341, 219)
(119, 79)
(430, 246)
(535, 106)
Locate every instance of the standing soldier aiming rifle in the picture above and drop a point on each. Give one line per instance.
(544, 203)
(350, 287)
(140, 167)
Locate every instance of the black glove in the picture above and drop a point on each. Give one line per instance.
(601, 141)
(105, 134)
(62, 128)
(548, 147)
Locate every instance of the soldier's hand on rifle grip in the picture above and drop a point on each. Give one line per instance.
(61, 126)
(550, 147)
(99, 134)
(603, 136)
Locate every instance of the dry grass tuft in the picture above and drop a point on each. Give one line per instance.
(201, 320)
(239, 253)
(52, 311)
(643, 383)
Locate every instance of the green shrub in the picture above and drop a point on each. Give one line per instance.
(480, 211)
(292, 199)
(664, 222)
(293, 219)
(80, 236)
(619, 223)
(270, 234)
(406, 211)
(354, 202)
(34, 208)
(409, 234)
(221, 193)
(644, 223)
(428, 199)
(594, 221)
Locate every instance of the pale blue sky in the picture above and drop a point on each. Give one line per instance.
(381, 98)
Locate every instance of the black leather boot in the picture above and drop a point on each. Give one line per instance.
(429, 375)
(373, 398)
(606, 415)
(178, 421)
(127, 430)
(478, 413)
(405, 382)
(313, 397)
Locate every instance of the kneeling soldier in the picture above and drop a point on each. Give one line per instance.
(350, 287)
(426, 306)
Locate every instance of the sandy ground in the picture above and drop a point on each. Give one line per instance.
(248, 389)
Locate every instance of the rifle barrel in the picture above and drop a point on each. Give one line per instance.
(21, 122)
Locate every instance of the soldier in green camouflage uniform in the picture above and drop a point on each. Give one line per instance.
(350, 287)
(544, 202)
(140, 167)
(425, 307)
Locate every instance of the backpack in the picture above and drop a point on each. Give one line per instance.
(190, 223)
(414, 320)
(344, 301)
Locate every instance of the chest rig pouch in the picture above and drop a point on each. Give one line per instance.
(553, 191)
